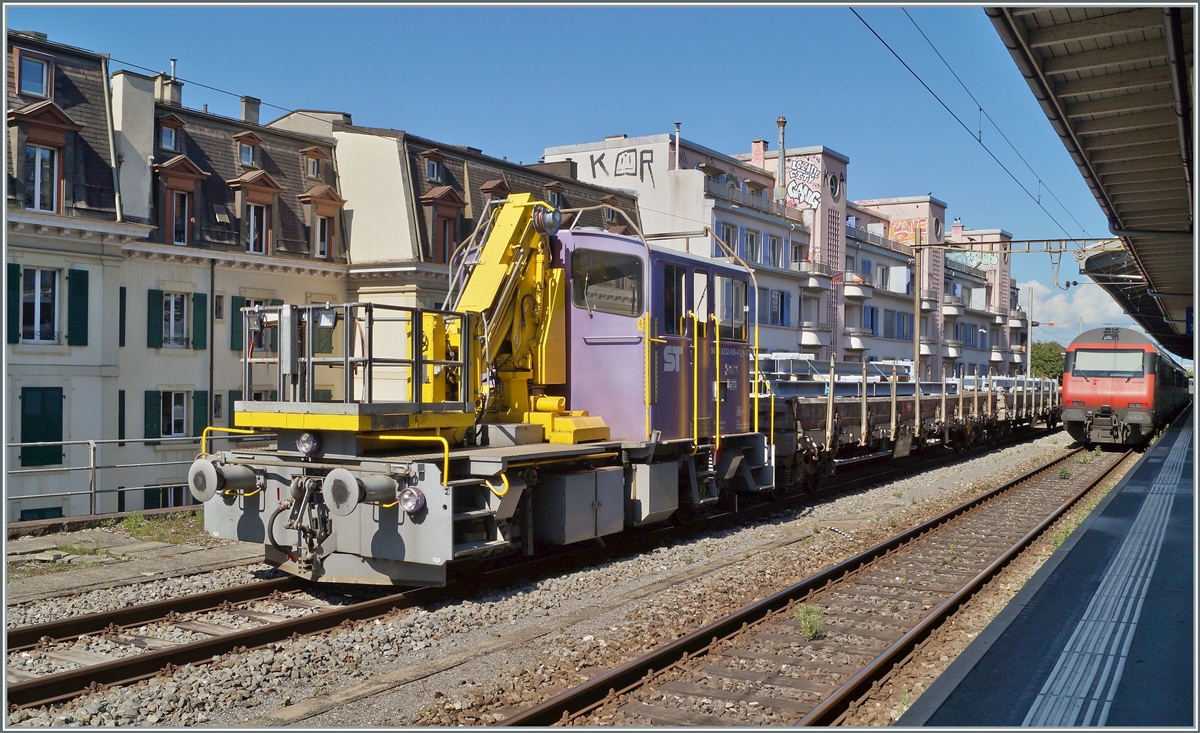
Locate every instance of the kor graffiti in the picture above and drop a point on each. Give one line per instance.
(628, 162)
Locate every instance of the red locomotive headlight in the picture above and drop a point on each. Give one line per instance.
(1138, 405)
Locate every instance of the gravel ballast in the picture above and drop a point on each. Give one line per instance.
(479, 660)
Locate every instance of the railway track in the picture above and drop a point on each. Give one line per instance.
(132, 655)
(768, 665)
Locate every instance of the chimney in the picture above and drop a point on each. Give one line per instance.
(758, 151)
(168, 89)
(957, 228)
(780, 178)
(250, 109)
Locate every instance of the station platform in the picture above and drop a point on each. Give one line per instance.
(1103, 633)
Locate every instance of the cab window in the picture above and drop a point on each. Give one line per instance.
(607, 282)
(674, 290)
(731, 306)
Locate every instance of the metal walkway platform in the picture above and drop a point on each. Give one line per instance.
(1103, 634)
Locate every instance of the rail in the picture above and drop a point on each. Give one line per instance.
(95, 467)
(879, 240)
(304, 332)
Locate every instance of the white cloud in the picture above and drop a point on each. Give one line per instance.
(1060, 311)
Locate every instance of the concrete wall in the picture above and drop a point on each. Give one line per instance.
(378, 213)
(134, 130)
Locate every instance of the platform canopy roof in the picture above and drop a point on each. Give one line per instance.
(1116, 84)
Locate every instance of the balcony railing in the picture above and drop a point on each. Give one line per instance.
(1001, 310)
(868, 237)
(746, 198)
(856, 331)
(929, 339)
(813, 268)
(966, 269)
(929, 294)
(814, 326)
(954, 300)
(957, 343)
(1017, 348)
(1019, 315)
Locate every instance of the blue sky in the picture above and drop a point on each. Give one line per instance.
(513, 81)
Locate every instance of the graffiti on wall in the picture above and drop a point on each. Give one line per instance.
(804, 182)
(982, 260)
(905, 230)
(629, 162)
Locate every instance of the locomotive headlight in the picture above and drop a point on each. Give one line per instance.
(412, 500)
(308, 443)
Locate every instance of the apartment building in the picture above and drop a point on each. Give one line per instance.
(691, 196)
(846, 265)
(66, 231)
(413, 200)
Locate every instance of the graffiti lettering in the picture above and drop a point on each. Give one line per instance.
(626, 164)
(597, 162)
(803, 183)
(645, 162)
(905, 230)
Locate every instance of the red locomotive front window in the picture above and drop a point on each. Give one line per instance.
(1125, 363)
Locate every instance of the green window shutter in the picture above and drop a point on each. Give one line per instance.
(154, 320)
(121, 320)
(14, 303)
(322, 395)
(199, 321)
(274, 345)
(153, 416)
(77, 307)
(121, 416)
(236, 303)
(41, 420)
(199, 411)
(234, 396)
(273, 395)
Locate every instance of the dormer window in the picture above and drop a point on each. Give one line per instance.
(433, 165)
(312, 161)
(247, 143)
(168, 131)
(167, 139)
(554, 193)
(35, 76)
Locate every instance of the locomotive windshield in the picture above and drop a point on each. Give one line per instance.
(1108, 363)
(607, 282)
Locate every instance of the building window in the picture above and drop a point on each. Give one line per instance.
(445, 244)
(729, 236)
(258, 334)
(881, 277)
(764, 308)
(39, 306)
(259, 228)
(323, 237)
(774, 251)
(556, 199)
(181, 209)
(41, 178)
(167, 138)
(41, 422)
(610, 216)
(314, 167)
(246, 153)
(174, 320)
(218, 307)
(433, 171)
(35, 77)
(889, 324)
(753, 252)
(217, 404)
(174, 414)
(799, 252)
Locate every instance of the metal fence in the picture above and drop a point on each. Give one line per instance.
(95, 466)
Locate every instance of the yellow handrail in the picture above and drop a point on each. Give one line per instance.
(212, 429)
(717, 383)
(504, 479)
(422, 439)
(695, 381)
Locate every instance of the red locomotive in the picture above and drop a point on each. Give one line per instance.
(1119, 387)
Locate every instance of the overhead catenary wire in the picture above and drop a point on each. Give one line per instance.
(983, 113)
(960, 122)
